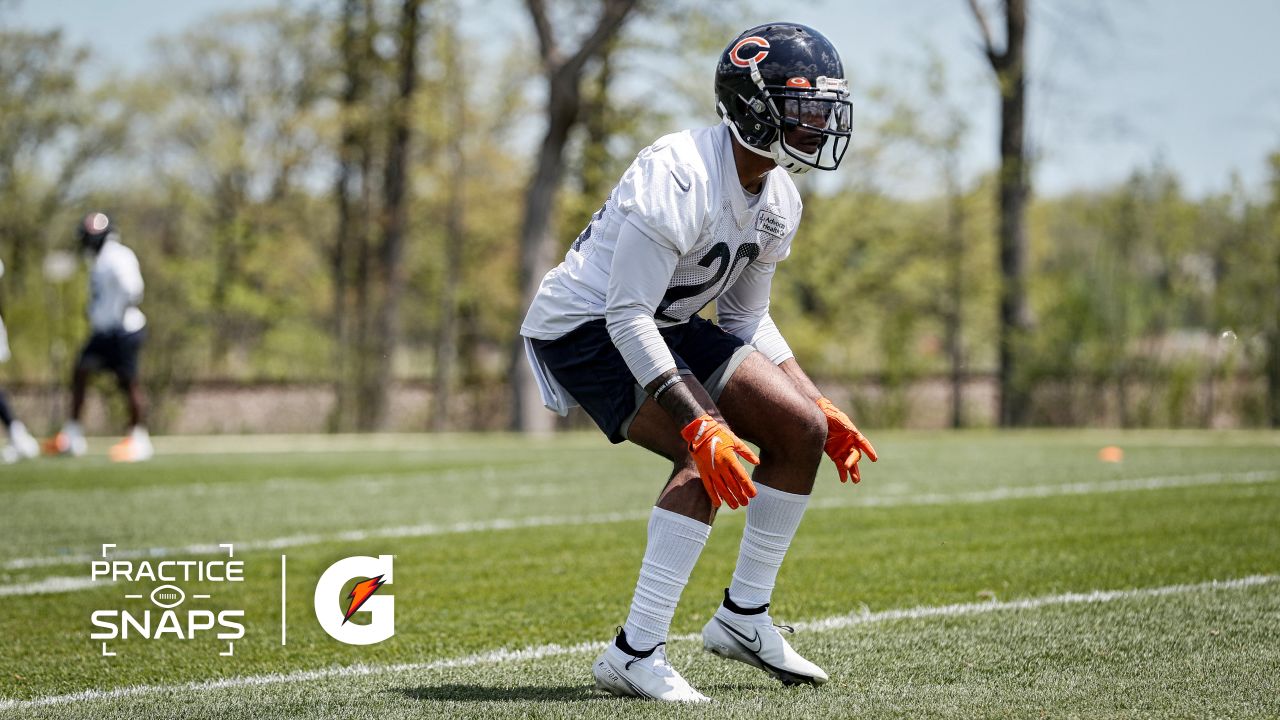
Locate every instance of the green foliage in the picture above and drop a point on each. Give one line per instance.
(1145, 291)
(218, 165)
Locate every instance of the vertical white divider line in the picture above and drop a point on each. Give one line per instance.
(284, 590)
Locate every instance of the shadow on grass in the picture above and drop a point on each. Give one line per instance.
(487, 693)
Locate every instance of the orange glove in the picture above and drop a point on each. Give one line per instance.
(845, 445)
(713, 448)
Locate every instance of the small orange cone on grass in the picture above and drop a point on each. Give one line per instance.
(1111, 454)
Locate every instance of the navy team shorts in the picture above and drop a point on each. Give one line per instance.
(116, 352)
(588, 365)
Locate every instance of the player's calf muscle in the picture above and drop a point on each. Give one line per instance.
(683, 494)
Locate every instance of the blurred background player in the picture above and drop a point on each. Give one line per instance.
(21, 444)
(706, 215)
(118, 329)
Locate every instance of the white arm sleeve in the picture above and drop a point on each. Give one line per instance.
(130, 276)
(4, 342)
(744, 312)
(641, 270)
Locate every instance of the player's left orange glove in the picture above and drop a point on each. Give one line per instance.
(845, 445)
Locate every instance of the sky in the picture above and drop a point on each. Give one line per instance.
(1191, 84)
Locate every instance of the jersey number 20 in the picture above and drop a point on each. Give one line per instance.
(718, 252)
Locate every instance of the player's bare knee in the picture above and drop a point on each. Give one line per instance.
(813, 426)
(799, 438)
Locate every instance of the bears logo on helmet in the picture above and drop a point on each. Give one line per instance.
(736, 54)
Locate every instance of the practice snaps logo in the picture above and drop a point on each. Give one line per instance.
(334, 610)
(166, 612)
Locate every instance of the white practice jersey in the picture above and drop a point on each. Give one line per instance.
(115, 289)
(677, 233)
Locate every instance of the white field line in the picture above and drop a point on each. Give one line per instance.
(49, 585)
(291, 541)
(429, 529)
(1043, 491)
(500, 656)
(345, 442)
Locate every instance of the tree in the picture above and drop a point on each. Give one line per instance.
(563, 70)
(1273, 317)
(455, 223)
(235, 118)
(383, 341)
(51, 133)
(938, 129)
(350, 248)
(462, 267)
(368, 278)
(1253, 288)
(1009, 66)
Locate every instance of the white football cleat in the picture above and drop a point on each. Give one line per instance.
(752, 638)
(24, 445)
(70, 441)
(135, 447)
(626, 672)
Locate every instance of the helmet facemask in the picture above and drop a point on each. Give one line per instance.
(810, 126)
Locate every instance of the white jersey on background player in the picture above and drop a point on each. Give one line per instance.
(115, 289)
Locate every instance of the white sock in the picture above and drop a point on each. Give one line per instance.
(73, 429)
(675, 542)
(772, 519)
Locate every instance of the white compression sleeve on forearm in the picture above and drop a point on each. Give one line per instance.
(641, 270)
(744, 312)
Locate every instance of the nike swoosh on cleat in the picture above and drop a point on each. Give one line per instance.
(786, 677)
(746, 641)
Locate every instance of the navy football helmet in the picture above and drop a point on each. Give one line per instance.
(94, 230)
(781, 90)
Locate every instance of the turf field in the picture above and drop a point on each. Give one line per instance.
(970, 575)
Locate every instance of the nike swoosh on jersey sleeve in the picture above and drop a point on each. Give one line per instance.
(683, 184)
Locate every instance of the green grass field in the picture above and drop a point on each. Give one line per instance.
(958, 580)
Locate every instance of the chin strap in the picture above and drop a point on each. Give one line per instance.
(776, 152)
(785, 161)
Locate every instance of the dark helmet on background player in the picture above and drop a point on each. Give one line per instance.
(781, 90)
(94, 230)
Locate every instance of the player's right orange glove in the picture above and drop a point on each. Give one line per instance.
(713, 448)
